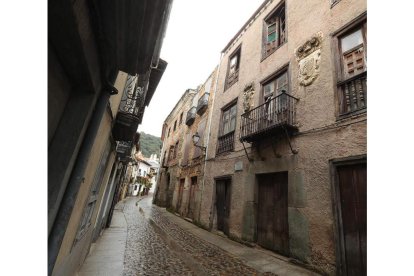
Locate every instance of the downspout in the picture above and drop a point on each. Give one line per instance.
(60, 224)
(208, 136)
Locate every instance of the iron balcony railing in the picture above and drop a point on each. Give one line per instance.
(277, 112)
(202, 103)
(191, 114)
(353, 94)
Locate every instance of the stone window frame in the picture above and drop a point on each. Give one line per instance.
(274, 17)
(359, 22)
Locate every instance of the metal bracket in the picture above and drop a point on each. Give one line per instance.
(248, 158)
(288, 139)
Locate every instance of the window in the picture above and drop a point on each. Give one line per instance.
(352, 68)
(181, 118)
(175, 150)
(233, 68)
(168, 132)
(171, 153)
(275, 86)
(274, 31)
(175, 125)
(227, 127)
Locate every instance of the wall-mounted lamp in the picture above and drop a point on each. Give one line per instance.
(196, 139)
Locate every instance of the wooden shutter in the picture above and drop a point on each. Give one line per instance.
(354, 62)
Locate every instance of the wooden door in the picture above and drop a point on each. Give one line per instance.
(352, 181)
(272, 220)
(191, 200)
(180, 194)
(223, 204)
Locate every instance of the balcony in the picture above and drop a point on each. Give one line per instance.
(191, 114)
(225, 143)
(123, 150)
(130, 110)
(269, 118)
(353, 94)
(202, 104)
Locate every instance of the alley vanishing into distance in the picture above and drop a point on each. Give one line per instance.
(151, 241)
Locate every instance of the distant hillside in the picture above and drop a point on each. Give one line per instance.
(150, 144)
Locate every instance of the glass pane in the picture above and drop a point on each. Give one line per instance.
(271, 37)
(233, 111)
(282, 83)
(351, 40)
(271, 28)
(268, 89)
(233, 61)
(232, 124)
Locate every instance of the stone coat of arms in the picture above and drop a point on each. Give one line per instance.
(248, 92)
(308, 55)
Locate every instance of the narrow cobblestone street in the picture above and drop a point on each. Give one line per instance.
(159, 243)
(151, 250)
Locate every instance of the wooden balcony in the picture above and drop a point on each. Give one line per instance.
(276, 115)
(353, 94)
(202, 104)
(191, 114)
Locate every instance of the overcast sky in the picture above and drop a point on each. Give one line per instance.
(197, 32)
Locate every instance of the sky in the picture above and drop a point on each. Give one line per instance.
(197, 32)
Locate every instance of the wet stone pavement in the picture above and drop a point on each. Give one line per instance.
(156, 246)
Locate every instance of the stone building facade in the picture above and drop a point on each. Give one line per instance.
(285, 166)
(182, 164)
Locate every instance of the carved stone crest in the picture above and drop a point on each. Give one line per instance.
(308, 55)
(248, 93)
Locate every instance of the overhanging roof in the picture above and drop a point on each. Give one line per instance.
(154, 80)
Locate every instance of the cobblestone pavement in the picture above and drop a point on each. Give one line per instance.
(156, 246)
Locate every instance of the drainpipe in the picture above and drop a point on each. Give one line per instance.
(208, 136)
(60, 224)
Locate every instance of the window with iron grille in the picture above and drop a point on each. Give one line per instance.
(274, 31)
(227, 127)
(352, 69)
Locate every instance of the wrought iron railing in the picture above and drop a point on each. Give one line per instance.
(353, 94)
(191, 114)
(275, 112)
(225, 142)
(202, 103)
(132, 98)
